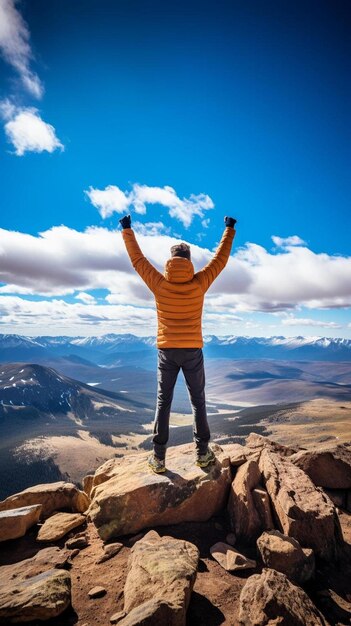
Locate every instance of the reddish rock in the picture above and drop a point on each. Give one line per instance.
(45, 559)
(136, 498)
(255, 444)
(271, 599)
(110, 550)
(97, 592)
(52, 497)
(14, 523)
(304, 511)
(330, 468)
(230, 559)
(236, 452)
(58, 525)
(285, 555)
(161, 570)
(244, 518)
(39, 597)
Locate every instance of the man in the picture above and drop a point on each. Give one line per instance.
(179, 295)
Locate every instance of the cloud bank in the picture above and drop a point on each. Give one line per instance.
(63, 261)
(113, 200)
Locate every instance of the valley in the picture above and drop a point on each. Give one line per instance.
(62, 414)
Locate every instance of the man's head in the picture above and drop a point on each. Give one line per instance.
(181, 249)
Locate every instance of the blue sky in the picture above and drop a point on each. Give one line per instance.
(247, 103)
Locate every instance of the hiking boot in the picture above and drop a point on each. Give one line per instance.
(157, 465)
(203, 460)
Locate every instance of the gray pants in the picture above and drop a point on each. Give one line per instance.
(170, 360)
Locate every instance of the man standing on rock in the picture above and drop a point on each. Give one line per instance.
(179, 295)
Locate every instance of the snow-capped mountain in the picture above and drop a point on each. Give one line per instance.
(107, 349)
(44, 390)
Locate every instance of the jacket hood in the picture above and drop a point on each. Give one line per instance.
(178, 270)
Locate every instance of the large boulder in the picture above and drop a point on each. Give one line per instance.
(302, 509)
(328, 467)
(161, 570)
(58, 525)
(285, 555)
(52, 497)
(270, 598)
(39, 597)
(136, 498)
(14, 523)
(244, 518)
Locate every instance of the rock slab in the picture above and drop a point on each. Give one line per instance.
(58, 525)
(45, 559)
(14, 523)
(52, 497)
(304, 511)
(270, 599)
(161, 570)
(244, 518)
(39, 597)
(135, 498)
(230, 559)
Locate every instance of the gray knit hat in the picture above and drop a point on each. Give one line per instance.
(181, 249)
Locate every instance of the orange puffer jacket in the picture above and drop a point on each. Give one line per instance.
(179, 292)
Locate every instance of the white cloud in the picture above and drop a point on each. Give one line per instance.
(26, 130)
(296, 276)
(113, 200)
(286, 242)
(57, 316)
(15, 47)
(87, 298)
(108, 200)
(62, 261)
(299, 321)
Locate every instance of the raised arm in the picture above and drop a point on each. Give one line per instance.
(209, 273)
(150, 275)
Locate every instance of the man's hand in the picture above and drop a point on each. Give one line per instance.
(229, 221)
(126, 221)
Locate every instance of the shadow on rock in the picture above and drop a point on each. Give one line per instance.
(201, 611)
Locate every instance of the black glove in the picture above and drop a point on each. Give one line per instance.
(126, 221)
(229, 221)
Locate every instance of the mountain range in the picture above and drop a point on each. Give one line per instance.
(110, 349)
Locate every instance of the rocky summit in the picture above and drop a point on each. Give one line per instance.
(133, 498)
(254, 539)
